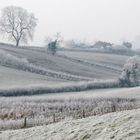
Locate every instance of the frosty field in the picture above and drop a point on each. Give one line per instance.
(119, 125)
(16, 78)
(33, 66)
(40, 109)
(66, 65)
(69, 85)
(69, 70)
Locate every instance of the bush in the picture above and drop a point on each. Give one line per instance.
(52, 48)
(131, 72)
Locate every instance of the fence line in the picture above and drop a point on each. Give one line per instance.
(57, 117)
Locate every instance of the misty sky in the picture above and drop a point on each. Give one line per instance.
(91, 20)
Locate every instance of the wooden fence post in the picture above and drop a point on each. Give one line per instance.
(25, 122)
(113, 108)
(83, 114)
(54, 118)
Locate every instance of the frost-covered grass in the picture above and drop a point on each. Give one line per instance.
(87, 65)
(17, 78)
(39, 110)
(22, 59)
(112, 61)
(68, 87)
(122, 125)
(76, 66)
(7, 59)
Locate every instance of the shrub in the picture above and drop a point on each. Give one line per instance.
(131, 72)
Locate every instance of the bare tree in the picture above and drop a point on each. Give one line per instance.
(53, 43)
(18, 24)
(127, 45)
(102, 44)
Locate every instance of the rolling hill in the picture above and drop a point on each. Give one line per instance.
(117, 126)
(66, 66)
(63, 72)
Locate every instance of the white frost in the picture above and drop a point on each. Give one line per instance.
(119, 125)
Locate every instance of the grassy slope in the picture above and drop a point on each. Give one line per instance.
(13, 78)
(64, 106)
(87, 65)
(105, 65)
(109, 60)
(91, 65)
(97, 93)
(119, 125)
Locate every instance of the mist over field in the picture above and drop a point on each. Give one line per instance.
(69, 70)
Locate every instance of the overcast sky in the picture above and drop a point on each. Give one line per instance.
(91, 20)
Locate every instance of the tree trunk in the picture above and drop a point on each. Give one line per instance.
(17, 43)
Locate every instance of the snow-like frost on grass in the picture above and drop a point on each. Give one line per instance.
(40, 109)
(119, 125)
(84, 64)
(9, 60)
(68, 87)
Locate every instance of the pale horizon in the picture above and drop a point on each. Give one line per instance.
(89, 20)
